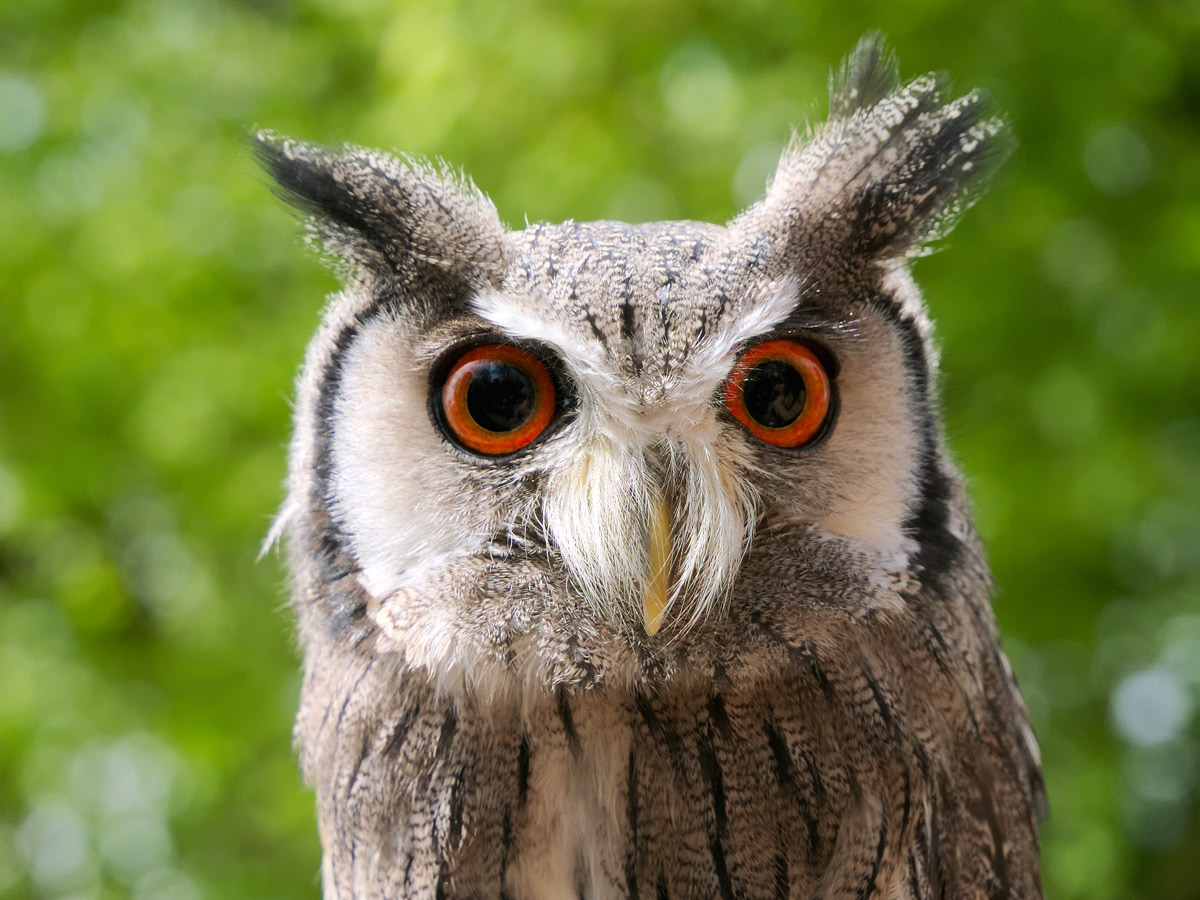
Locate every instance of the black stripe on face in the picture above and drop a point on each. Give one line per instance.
(449, 289)
(331, 380)
(328, 545)
(938, 550)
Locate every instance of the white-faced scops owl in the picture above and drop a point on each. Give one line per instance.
(629, 560)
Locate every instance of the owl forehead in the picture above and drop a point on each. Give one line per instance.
(640, 296)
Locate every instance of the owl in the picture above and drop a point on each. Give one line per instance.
(629, 560)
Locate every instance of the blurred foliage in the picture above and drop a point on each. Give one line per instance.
(156, 304)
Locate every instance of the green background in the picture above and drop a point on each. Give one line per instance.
(156, 302)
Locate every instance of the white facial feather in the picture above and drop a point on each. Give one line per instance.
(764, 307)
(872, 451)
(391, 475)
(629, 452)
(606, 474)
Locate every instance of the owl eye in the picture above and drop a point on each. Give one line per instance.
(780, 391)
(497, 399)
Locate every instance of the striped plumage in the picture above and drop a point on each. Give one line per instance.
(488, 710)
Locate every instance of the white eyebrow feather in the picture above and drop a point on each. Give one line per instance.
(764, 310)
(512, 315)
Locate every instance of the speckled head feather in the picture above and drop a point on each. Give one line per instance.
(652, 652)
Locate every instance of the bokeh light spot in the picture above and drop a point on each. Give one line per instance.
(1150, 707)
(1079, 256)
(640, 198)
(698, 89)
(1117, 159)
(22, 113)
(54, 839)
(1066, 406)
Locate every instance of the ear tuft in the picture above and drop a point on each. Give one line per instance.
(866, 76)
(386, 216)
(892, 169)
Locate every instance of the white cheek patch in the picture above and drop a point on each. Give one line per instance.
(873, 448)
(393, 487)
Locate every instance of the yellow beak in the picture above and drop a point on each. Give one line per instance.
(657, 595)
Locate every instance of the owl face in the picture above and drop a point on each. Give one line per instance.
(641, 329)
(633, 442)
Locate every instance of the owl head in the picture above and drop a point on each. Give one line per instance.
(597, 450)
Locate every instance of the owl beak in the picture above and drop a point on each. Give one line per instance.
(657, 592)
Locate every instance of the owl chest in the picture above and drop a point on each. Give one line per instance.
(596, 796)
(691, 795)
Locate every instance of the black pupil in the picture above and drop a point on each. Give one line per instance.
(774, 393)
(500, 397)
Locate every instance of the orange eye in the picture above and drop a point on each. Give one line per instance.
(780, 391)
(497, 399)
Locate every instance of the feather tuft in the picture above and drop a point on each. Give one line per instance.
(891, 170)
(386, 215)
(869, 73)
